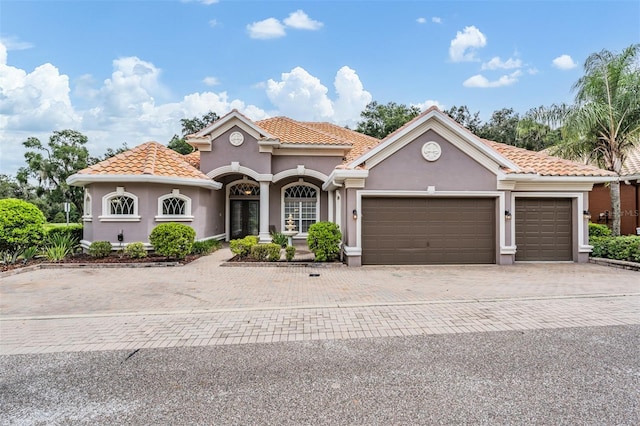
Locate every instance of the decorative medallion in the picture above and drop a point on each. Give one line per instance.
(236, 138)
(431, 151)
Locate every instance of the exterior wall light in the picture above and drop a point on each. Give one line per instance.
(355, 214)
(586, 214)
(507, 215)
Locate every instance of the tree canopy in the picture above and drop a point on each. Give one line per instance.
(380, 120)
(190, 126)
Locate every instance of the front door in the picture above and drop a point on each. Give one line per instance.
(245, 218)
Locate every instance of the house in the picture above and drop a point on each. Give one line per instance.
(629, 197)
(429, 193)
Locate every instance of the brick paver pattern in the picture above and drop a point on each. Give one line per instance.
(205, 304)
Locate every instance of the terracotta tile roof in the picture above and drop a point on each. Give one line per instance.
(631, 165)
(297, 132)
(193, 159)
(543, 163)
(150, 158)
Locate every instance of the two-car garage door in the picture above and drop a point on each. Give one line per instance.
(431, 230)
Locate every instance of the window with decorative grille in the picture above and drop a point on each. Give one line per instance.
(121, 205)
(244, 189)
(173, 206)
(300, 201)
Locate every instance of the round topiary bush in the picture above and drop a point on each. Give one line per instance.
(324, 241)
(21, 226)
(100, 249)
(173, 240)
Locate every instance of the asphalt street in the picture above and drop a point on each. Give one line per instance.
(566, 376)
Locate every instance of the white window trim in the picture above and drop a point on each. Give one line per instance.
(106, 211)
(86, 214)
(282, 218)
(186, 217)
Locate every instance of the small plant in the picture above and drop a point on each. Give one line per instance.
(56, 253)
(264, 252)
(205, 247)
(173, 240)
(29, 253)
(290, 253)
(323, 240)
(135, 250)
(100, 249)
(242, 247)
(280, 239)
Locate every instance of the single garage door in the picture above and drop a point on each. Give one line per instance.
(419, 231)
(543, 229)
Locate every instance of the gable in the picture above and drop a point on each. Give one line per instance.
(407, 169)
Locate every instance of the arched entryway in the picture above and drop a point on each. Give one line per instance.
(244, 208)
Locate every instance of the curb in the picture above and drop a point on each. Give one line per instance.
(87, 265)
(620, 264)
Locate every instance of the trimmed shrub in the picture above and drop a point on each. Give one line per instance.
(205, 247)
(60, 218)
(100, 249)
(626, 247)
(324, 241)
(21, 226)
(135, 250)
(74, 230)
(280, 239)
(598, 230)
(290, 253)
(242, 247)
(264, 252)
(173, 240)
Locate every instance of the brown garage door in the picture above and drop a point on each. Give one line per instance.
(543, 229)
(418, 231)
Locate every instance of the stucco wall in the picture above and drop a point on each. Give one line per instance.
(148, 194)
(629, 206)
(407, 169)
(223, 154)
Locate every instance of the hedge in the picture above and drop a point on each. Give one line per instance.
(626, 247)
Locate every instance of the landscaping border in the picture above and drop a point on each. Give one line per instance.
(613, 263)
(88, 265)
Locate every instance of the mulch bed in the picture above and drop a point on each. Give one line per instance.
(85, 259)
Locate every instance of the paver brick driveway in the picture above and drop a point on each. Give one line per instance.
(204, 303)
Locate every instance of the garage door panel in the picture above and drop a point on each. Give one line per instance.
(543, 229)
(428, 230)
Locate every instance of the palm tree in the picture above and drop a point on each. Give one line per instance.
(604, 122)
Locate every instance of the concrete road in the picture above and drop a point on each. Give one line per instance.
(568, 376)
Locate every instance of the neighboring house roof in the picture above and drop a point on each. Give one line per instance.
(631, 166)
(148, 162)
(543, 163)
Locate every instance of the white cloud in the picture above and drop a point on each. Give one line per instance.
(13, 43)
(564, 62)
(481, 81)
(463, 47)
(532, 71)
(208, 2)
(211, 81)
(421, 20)
(213, 23)
(301, 21)
(428, 104)
(497, 63)
(266, 29)
(436, 20)
(352, 98)
(302, 96)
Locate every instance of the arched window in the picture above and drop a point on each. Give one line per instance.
(120, 206)
(174, 207)
(301, 203)
(86, 215)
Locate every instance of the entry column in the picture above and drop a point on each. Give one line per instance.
(264, 236)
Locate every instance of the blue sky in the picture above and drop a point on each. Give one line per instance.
(128, 71)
